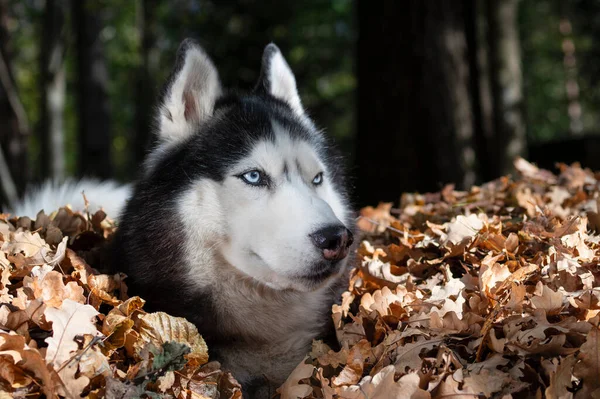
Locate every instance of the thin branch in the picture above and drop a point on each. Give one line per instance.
(13, 97)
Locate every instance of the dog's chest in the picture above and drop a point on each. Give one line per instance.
(268, 335)
(259, 315)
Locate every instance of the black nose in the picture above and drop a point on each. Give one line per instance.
(334, 241)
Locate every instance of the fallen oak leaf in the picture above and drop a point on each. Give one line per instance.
(71, 319)
(68, 321)
(159, 328)
(103, 286)
(92, 362)
(382, 386)
(29, 359)
(27, 244)
(355, 364)
(531, 171)
(486, 382)
(118, 324)
(561, 379)
(464, 227)
(293, 388)
(211, 382)
(408, 355)
(51, 290)
(550, 301)
(449, 388)
(588, 365)
(81, 270)
(5, 275)
(327, 391)
(10, 372)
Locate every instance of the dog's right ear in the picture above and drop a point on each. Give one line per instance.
(188, 98)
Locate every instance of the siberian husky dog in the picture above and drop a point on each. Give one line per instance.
(240, 221)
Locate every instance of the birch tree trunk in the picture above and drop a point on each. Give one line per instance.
(53, 84)
(506, 85)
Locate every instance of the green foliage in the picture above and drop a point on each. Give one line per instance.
(544, 76)
(544, 73)
(24, 52)
(316, 36)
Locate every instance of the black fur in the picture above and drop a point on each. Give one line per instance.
(147, 246)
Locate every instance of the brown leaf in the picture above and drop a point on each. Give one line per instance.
(158, 328)
(588, 365)
(383, 386)
(27, 359)
(293, 388)
(550, 301)
(560, 379)
(71, 319)
(408, 356)
(355, 363)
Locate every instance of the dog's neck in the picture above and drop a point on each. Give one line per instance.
(251, 311)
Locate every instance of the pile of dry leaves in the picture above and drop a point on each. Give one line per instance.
(66, 330)
(490, 293)
(486, 293)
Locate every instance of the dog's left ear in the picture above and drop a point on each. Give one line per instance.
(277, 79)
(189, 97)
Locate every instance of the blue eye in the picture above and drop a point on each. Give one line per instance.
(254, 178)
(318, 179)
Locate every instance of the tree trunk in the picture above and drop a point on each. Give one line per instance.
(14, 128)
(414, 110)
(571, 74)
(52, 59)
(146, 76)
(506, 84)
(481, 96)
(92, 86)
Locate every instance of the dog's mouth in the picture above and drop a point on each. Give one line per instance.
(314, 277)
(322, 272)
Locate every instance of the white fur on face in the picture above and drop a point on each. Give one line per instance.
(264, 232)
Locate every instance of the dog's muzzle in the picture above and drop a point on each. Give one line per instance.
(333, 241)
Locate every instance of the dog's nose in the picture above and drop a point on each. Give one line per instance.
(334, 241)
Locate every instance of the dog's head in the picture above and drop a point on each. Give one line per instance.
(263, 187)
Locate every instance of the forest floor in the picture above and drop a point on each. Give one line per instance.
(490, 292)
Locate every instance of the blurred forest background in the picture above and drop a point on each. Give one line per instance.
(418, 93)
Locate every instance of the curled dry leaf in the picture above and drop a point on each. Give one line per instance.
(70, 320)
(383, 385)
(293, 387)
(26, 360)
(158, 328)
(588, 367)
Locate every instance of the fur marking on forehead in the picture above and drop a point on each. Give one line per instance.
(297, 151)
(284, 153)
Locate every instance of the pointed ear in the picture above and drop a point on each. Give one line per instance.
(277, 79)
(189, 97)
